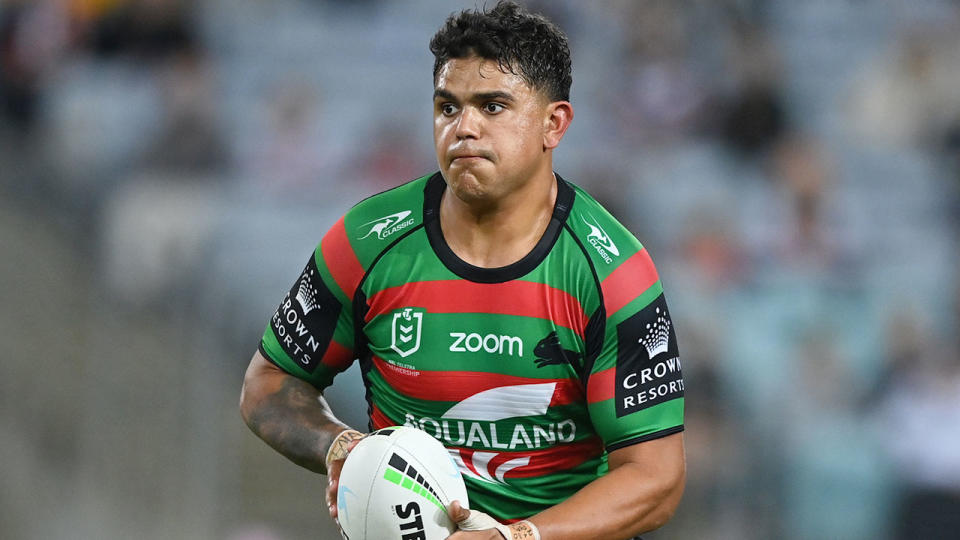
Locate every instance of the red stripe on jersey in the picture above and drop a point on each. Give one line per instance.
(337, 356)
(542, 462)
(600, 386)
(628, 281)
(379, 419)
(341, 259)
(459, 385)
(523, 298)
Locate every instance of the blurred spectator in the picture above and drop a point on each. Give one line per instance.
(753, 114)
(710, 252)
(664, 93)
(918, 402)
(795, 225)
(189, 142)
(33, 35)
(393, 156)
(908, 96)
(832, 458)
(293, 157)
(921, 411)
(143, 29)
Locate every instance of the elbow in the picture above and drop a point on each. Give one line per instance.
(248, 399)
(244, 405)
(671, 493)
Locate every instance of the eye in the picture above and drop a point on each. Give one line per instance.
(492, 107)
(448, 109)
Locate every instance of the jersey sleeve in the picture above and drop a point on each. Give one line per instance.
(635, 386)
(311, 334)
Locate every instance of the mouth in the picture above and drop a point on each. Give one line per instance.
(468, 158)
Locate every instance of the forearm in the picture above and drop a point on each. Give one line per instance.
(288, 414)
(631, 499)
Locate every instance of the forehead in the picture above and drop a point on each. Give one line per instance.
(474, 74)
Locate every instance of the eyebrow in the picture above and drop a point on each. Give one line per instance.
(481, 96)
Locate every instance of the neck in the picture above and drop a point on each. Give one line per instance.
(498, 234)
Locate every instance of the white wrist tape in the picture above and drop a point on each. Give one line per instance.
(478, 521)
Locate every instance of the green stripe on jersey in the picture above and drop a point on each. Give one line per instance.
(635, 305)
(322, 375)
(331, 283)
(666, 415)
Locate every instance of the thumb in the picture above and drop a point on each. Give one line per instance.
(457, 512)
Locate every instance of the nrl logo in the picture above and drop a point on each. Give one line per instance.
(405, 333)
(600, 240)
(388, 225)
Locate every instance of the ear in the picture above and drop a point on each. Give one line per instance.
(559, 114)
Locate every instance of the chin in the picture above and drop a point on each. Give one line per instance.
(466, 183)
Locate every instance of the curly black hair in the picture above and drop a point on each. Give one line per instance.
(523, 43)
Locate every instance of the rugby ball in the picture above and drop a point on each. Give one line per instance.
(396, 483)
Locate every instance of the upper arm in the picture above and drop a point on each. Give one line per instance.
(262, 378)
(663, 458)
(658, 464)
(311, 335)
(635, 385)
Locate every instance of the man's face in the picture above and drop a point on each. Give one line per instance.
(488, 129)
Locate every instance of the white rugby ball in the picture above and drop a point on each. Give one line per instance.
(396, 483)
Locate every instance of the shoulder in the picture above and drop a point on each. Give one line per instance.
(375, 222)
(607, 241)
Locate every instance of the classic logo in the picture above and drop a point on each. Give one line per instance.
(600, 240)
(405, 333)
(387, 225)
(471, 423)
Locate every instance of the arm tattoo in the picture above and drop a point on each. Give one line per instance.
(523, 530)
(296, 421)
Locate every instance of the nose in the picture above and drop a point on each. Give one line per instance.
(468, 125)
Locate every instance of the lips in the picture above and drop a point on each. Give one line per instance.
(468, 156)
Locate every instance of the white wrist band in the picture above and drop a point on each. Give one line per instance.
(338, 448)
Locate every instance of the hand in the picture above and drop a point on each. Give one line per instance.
(476, 525)
(461, 516)
(336, 456)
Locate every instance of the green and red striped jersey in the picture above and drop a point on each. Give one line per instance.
(527, 373)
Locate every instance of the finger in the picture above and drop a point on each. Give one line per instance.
(457, 512)
(332, 498)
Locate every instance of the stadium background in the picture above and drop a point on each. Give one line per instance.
(167, 166)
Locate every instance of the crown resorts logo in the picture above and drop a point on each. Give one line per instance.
(657, 340)
(307, 293)
(388, 225)
(600, 240)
